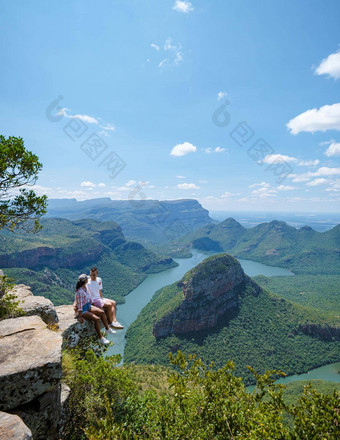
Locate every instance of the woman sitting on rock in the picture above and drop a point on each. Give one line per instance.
(87, 310)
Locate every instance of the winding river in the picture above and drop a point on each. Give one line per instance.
(142, 294)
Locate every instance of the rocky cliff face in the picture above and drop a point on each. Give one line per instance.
(322, 332)
(31, 391)
(44, 256)
(209, 291)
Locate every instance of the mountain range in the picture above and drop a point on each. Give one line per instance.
(275, 243)
(150, 222)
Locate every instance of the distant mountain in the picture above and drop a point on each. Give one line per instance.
(146, 221)
(53, 258)
(302, 250)
(218, 312)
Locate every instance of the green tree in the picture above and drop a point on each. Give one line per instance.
(20, 208)
(201, 403)
(9, 306)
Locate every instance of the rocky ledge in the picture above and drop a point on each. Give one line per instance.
(31, 370)
(209, 291)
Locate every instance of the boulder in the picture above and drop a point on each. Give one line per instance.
(30, 358)
(35, 305)
(21, 291)
(71, 328)
(13, 428)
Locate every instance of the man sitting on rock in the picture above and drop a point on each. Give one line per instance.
(95, 287)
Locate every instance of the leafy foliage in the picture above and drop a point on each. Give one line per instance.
(9, 306)
(18, 169)
(200, 403)
(320, 292)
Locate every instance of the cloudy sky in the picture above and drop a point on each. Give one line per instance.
(233, 102)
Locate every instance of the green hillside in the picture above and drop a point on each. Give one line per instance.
(320, 292)
(51, 260)
(301, 250)
(262, 332)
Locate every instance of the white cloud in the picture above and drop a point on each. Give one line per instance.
(227, 195)
(308, 163)
(187, 186)
(322, 119)
(180, 177)
(155, 46)
(321, 172)
(330, 66)
(325, 171)
(278, 158)
(108, 127)
(300, 179)
(221, 95)
(285, 188)
(263, 190)
(215, 150)
(124, 188)
(130, 183)
(161, 64)
(84, 118)
(183, 149)
(88, 184)
(282, 158)
(254, 185)
(316, 182)
(183, 6)
(333, 149)
(176, 56)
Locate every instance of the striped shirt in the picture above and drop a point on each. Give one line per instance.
(82, 298)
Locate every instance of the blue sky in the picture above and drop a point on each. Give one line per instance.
(234, 103)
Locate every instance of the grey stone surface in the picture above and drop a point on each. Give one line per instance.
(13, 428)
(21, 291)
(71, 328)
(35, 305)
(30, 358)
(43, 414)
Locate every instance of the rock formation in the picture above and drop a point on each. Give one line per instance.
(12, 427)
(209, 292)
(31, 369)
(44, 256)
(35, 305)
(71, 329)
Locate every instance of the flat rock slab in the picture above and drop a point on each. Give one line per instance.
(30, 360)
(13, 428)
(71, 328)
(35, 305)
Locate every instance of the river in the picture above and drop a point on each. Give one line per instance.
(139, 297)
